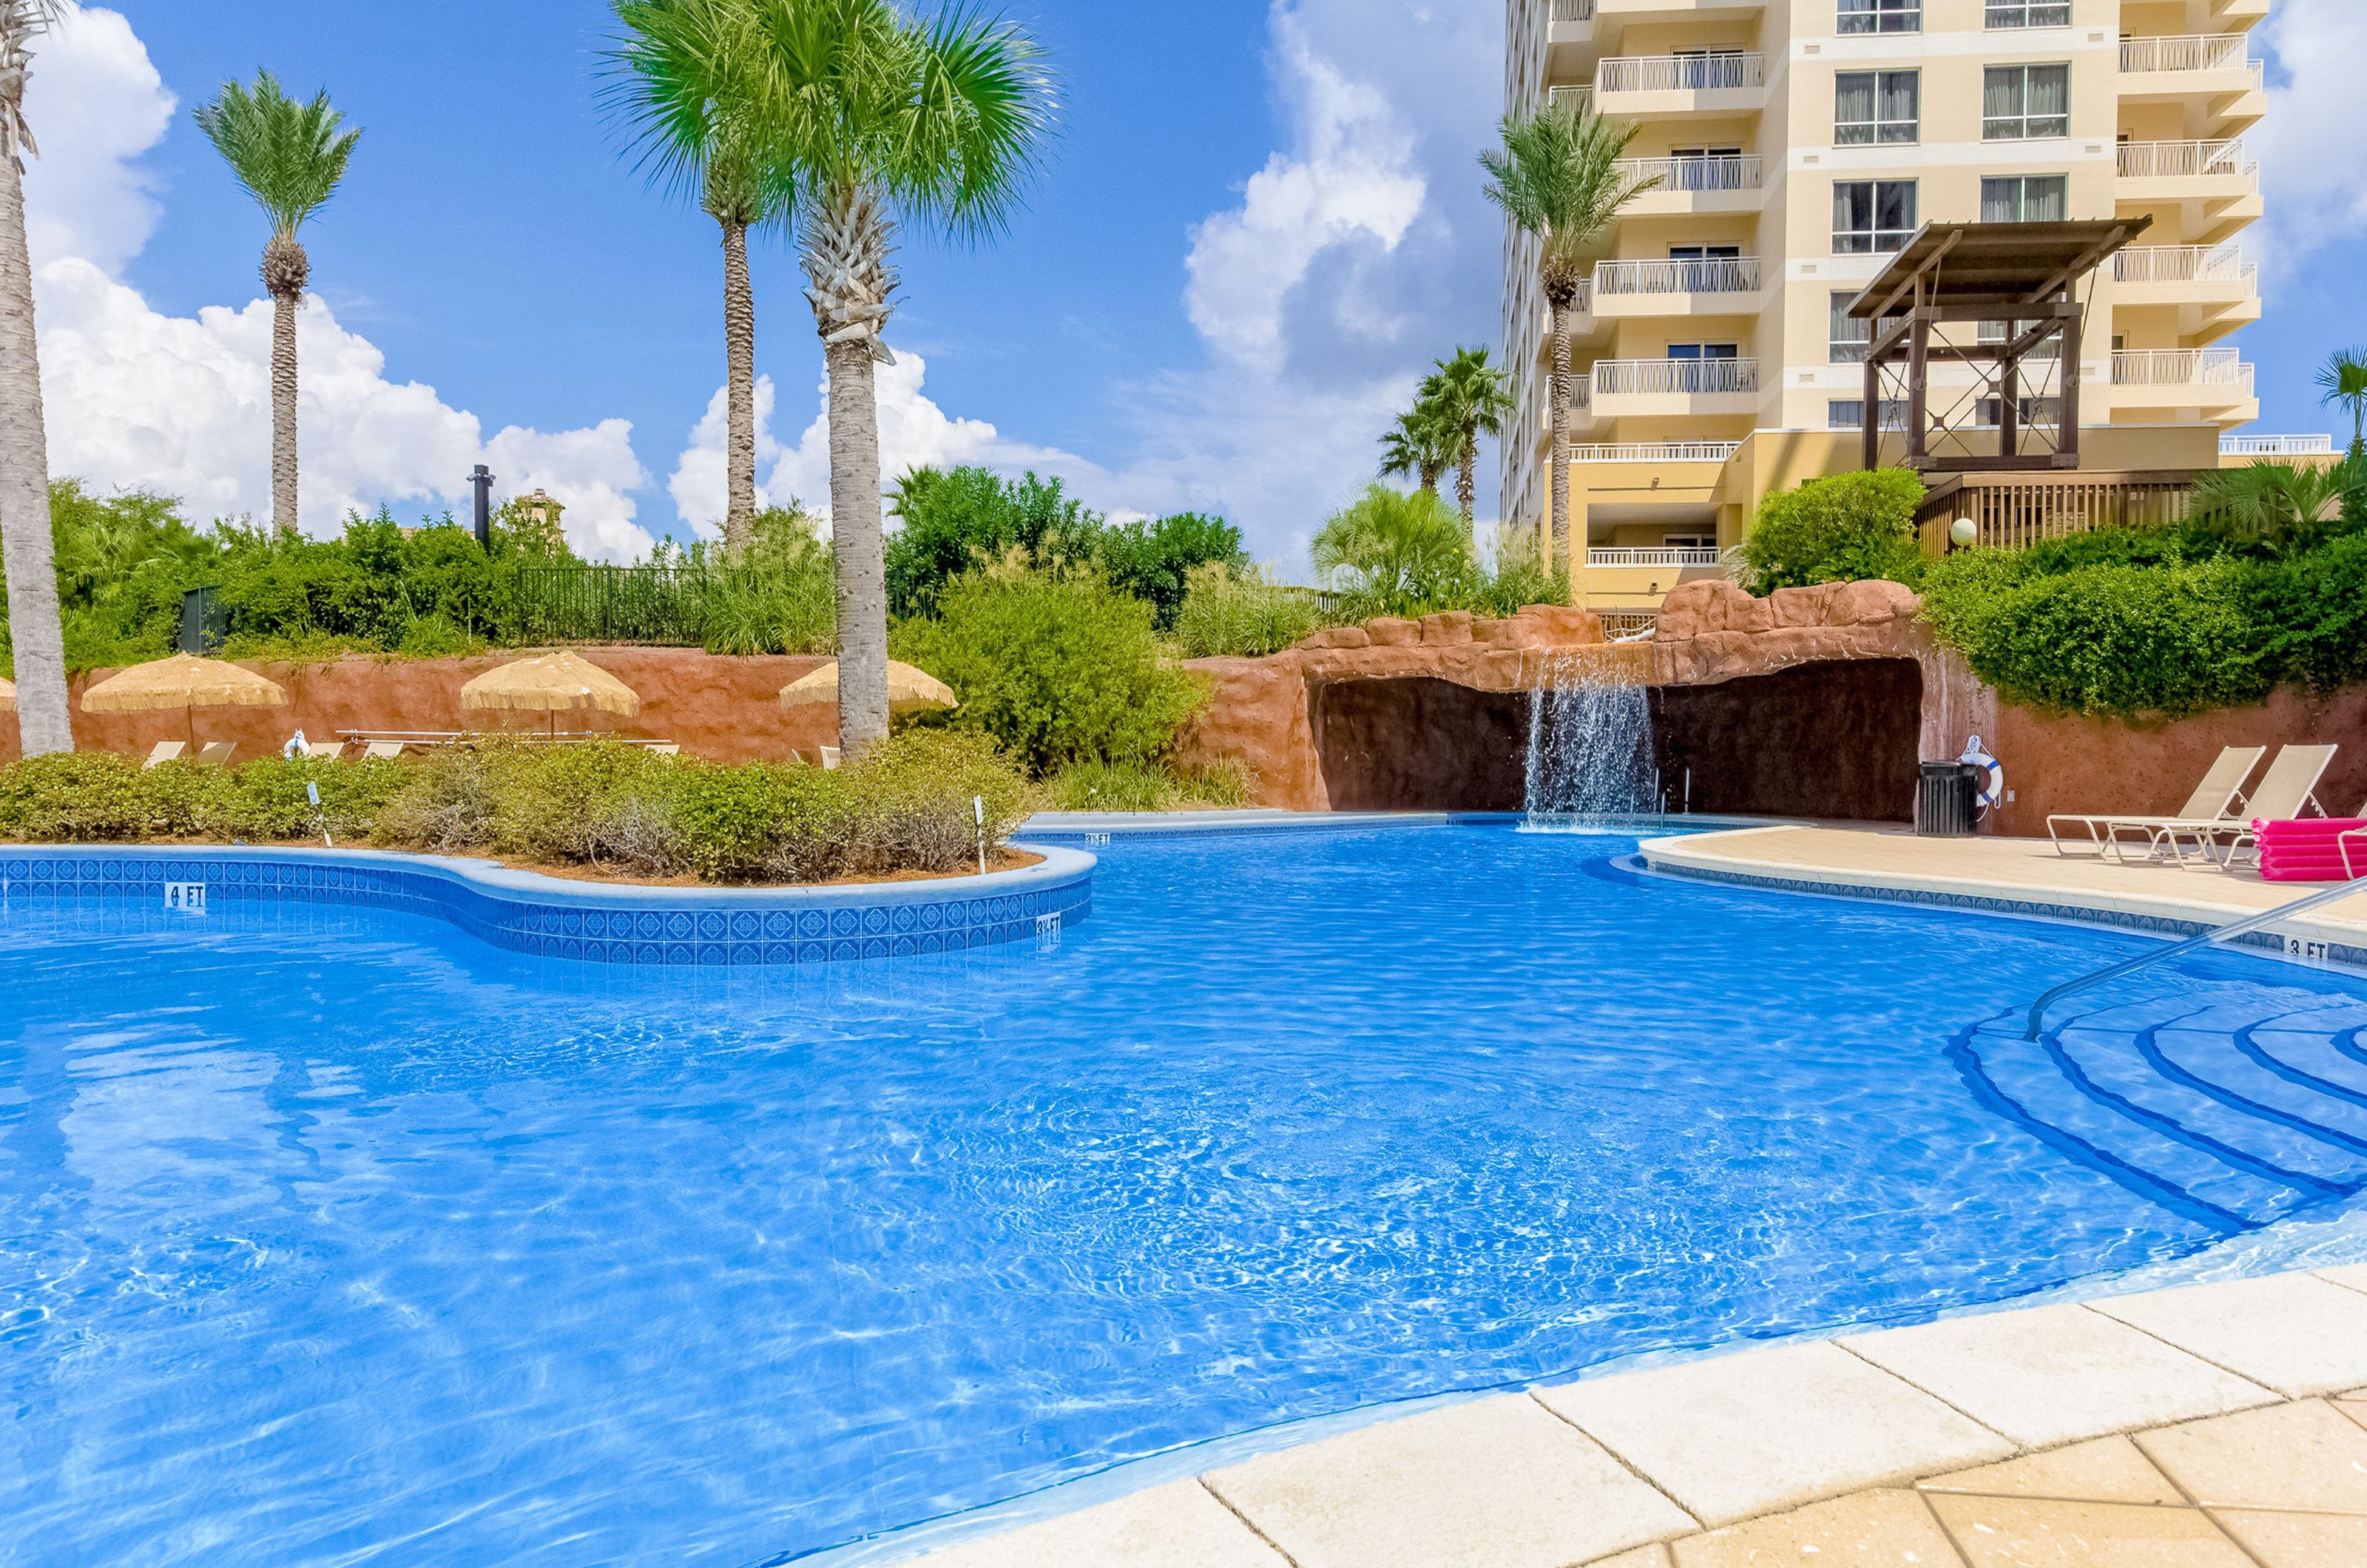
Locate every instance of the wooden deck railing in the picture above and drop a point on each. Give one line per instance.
(2014, 510)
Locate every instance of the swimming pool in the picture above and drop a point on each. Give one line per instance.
(332, 1235)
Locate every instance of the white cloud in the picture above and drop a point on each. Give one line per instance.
(135, 397)
(95, 103)
(1348, 181)
(2313, 178)
(913, 431)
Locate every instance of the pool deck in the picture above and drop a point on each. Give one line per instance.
(2218, 1424)
(2010, 875)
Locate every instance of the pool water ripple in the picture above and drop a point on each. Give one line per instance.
(334, 1237)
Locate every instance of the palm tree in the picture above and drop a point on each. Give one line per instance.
(1393, 551)
(2343, 379)
(2271, 500)
(290, 157)
(1559, 176)
(26, 550)
(677, 85)
(1473, 399)
(871, 118)
(1418, 446)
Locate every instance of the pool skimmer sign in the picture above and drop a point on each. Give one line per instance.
(186, 897)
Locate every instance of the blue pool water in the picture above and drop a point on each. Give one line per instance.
(333, 1237)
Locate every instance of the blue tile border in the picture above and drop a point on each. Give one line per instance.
(588, 922)
(2268, 943)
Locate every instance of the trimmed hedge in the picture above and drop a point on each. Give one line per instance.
(606, 805)
(1841, 529)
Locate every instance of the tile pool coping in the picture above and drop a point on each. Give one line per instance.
(551, 917)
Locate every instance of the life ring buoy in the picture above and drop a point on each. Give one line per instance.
(1990, 792)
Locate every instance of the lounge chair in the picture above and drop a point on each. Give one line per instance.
(666, 748)
(2354, 840)
(217, 753)
(166, 751)
(829, 756)
(329, 748)
(2288, 791)
(382, 751)
(2215, 799)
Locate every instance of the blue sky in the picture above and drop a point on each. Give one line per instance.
(1259, 222)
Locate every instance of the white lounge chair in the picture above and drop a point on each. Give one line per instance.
(829, 756)
(666, 748)
(2288, 792)
(382, 751)
(166, 751)
(2215, 799)
(217, 753)
(329, 748)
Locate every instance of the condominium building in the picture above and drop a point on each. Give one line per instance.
(1796, 143)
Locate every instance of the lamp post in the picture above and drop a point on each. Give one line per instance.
(484, 481)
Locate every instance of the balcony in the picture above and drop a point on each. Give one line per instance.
(2215, 189)
(1582, 98)
(1572, 11)
(2212, 288)
(1694, 185)
(2276, 446)
(1630, 388)
(1655, 452)
(1671, 559)
(2215, 381)
(1723, 286)
(2213, 64)
(1662, 87)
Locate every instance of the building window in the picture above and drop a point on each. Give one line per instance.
(1994, 332)
(1882, 16)
(1849, 414)
(1877, 106)
(2030, 13)
(2025, 199)
(2030, 413)
(1703, 168)
(1704, 351)
(1871, 215)
(1850, 340)
(2022, 103)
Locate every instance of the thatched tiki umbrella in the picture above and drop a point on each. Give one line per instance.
(7, 696)
(910, 691)
(184, 682)
(552, 684)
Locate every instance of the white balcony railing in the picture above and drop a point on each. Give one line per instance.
(1679, 73)
(1672, 556)
(2184, 160)
(1694, 174)
(2276, 446)
(1655, 452)
(1582, 98)
(2180, 367)
(1714, 274)
(2191, 51)
(2181, 264)
(1573, 10)
(1692, 377)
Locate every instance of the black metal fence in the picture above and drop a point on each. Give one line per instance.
(654, 606)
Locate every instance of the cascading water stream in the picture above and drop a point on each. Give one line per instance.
(1590, 753)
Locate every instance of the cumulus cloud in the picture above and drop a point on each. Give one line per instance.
(2313, 179)
(915, 432)
(138, 398)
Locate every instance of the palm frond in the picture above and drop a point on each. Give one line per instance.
(291, 156)
(680, 87)
(1559, 176)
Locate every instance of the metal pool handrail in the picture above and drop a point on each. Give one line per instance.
(2217, 934)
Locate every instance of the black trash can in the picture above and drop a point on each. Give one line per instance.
(1947, 801)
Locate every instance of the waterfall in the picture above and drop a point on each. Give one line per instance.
(1589, 747)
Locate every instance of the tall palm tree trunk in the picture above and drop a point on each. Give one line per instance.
(1560, 546)
(848, 282)
(1466, 489)
(286, 272)
(44, 724)
(855, 535)
(740, 393)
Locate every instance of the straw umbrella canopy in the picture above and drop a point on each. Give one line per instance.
(184, 682)
(910, 691)
(552, 684)
(7, 696)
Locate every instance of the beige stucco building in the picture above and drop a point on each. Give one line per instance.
(1800, 142)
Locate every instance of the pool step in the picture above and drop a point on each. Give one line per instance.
(2234, 1119)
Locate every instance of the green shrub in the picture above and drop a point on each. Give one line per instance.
(1229, 785)
(436, 636)
(788, 609)
(1156, 560)
(766, 821)
(1395, 553)
(73, 797)
(1056, 667)
(268, 799)
(1229, 611)
(1841, 529)
(603, 803)
(1113, 786)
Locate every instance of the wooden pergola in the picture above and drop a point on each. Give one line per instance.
(2024, 279)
